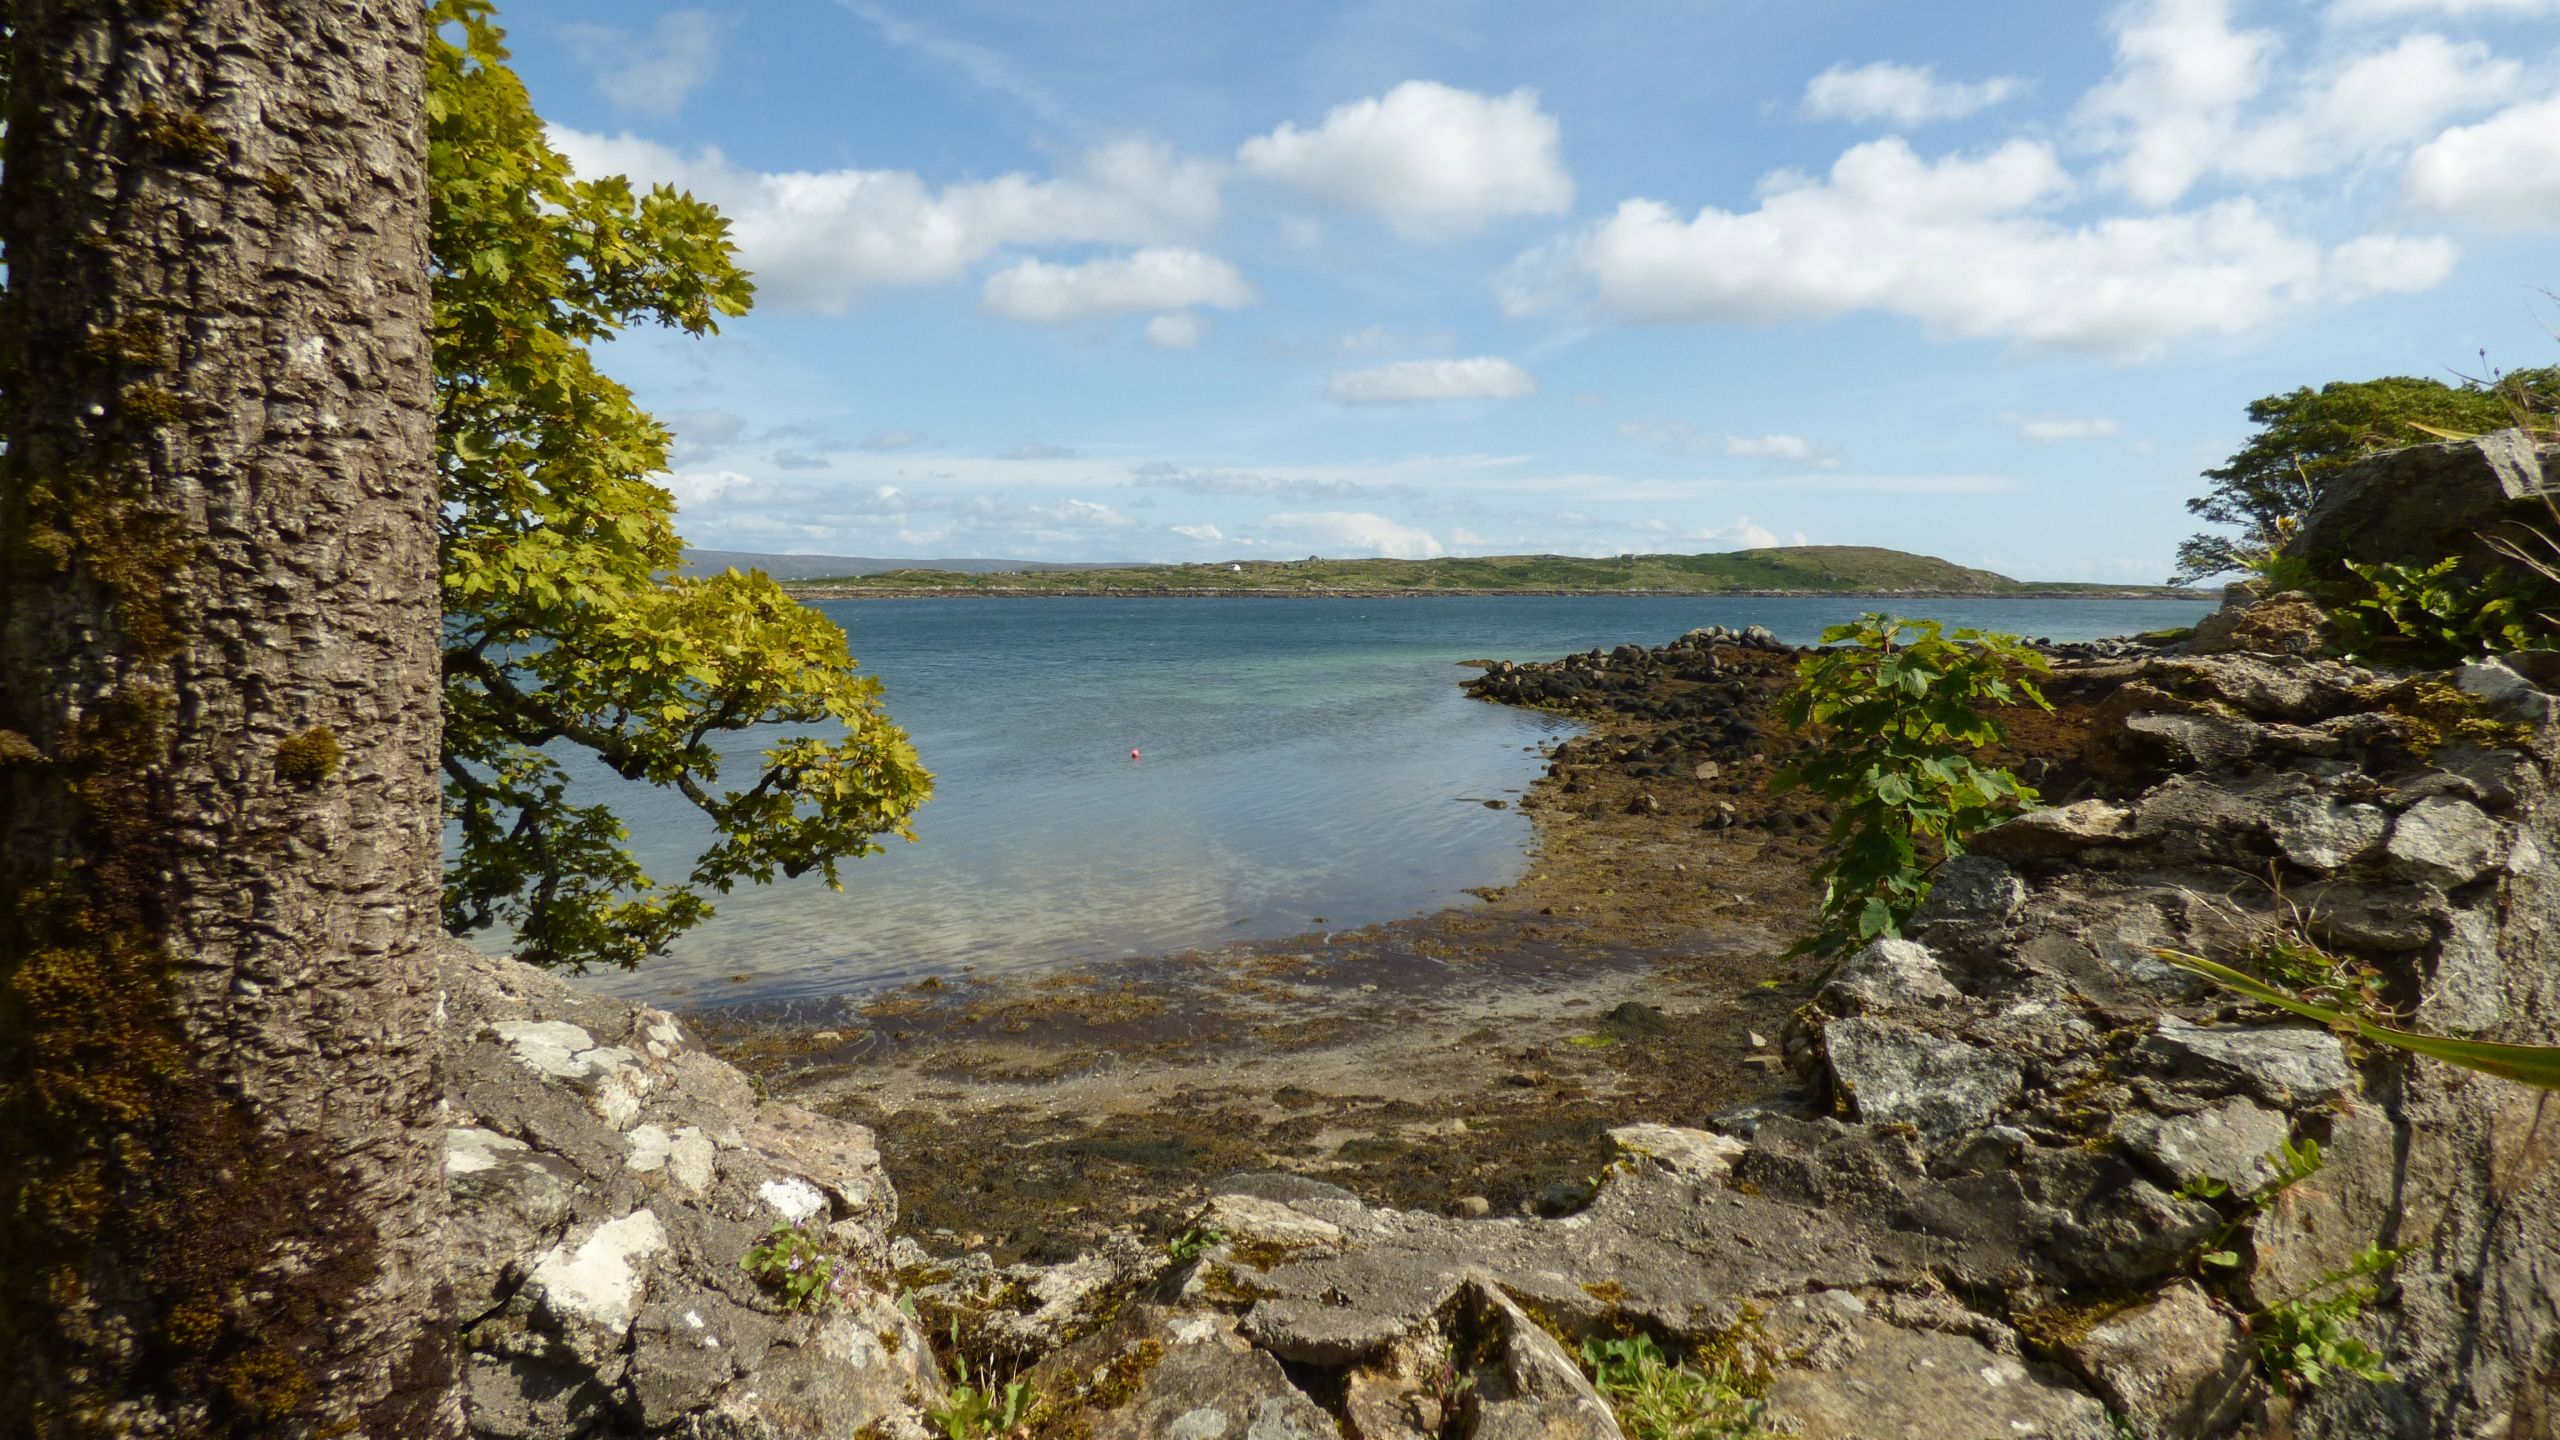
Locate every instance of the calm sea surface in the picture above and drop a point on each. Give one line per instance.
(1307, 764)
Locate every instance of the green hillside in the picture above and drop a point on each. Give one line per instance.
(1810, 569)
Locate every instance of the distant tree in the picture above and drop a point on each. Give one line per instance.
(222, 1187)
(2305, 434)
(565, 626)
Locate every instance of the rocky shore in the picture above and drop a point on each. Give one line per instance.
(2011, 1176)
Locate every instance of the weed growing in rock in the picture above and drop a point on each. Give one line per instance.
(1896, 709)
(790, 1260)
(2294, 1162)
(979, 1409)
(2438, 614)
(2303, 1341)
(1657, 1400)
(1187, 1246)
(2292, 960)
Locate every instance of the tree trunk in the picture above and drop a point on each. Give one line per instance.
(221, 1177)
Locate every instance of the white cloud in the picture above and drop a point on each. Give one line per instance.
(1205, 534)
(1177, 330)
(1039, 450)
(1780, 449)
(1742, 534)
(1379, 340)
(1680, 440)
(882, 442)
(1904, 94)
(2371, 105)
(2389, 265)
(2503, 172)
(652, 74)
(1413, 382)
(2183, 72)
(1432, 161)
(1351, 531)
(822, 240)
(1039, 293)
(2365, 11)
(2053, 429)
(1961, 245)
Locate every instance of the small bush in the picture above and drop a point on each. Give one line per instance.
(1657, 1400)
(1896, 709)
(2438, 615)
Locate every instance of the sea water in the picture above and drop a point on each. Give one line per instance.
(1304, 765)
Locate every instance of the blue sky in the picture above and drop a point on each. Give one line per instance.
(1158, 281)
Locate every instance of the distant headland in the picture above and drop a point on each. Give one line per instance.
(1844, 570)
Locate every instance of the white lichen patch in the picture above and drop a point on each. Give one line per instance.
(686, 1155)
(793, 1198)
(469, 1151)
(600, 1281)
(659, 1033)
(557, 1050)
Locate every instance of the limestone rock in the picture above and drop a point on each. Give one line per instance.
(608, 1178)
(2175, 1366)
(1971, 890)
(2500, 684)
(2415, 505)
(2444, 842)
(2322, 832)
(2229, 1143)
(2287, 1065)
(2057, 832)
(1698, 1155)
(1930, 1386)
(1888, 977)
(1893, 1074)
(1528, 1388)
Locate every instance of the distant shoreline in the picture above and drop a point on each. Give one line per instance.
(993, 592)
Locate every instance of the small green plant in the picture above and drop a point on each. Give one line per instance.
(1445, 1387)
(2438, 614)
(2303, 1341)
(790, 1260)
(1657, 1400)
(2535, 1065)
(980, 1409)
(1896, 709)
(2294, 1161)
(1187, 1246)
(2291, 959)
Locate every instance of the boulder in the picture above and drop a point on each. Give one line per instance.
(1886, 1381)
(2230, 1142)
(2284, 1065)
(2416, 505)
(2287, 623)
(2054, 833)
(1527, 1387)
(1895, 1075)
(2176, 1366)
(608, 1179)
(1886, 977)
(2443, 841)
(2323, 832)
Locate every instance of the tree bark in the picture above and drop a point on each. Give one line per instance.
(221, 1177)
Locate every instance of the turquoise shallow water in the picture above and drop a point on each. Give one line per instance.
(1307, 764)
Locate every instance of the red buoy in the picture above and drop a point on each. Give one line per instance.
(1133, 754)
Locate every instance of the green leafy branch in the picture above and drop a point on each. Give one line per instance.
(1896, 709)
